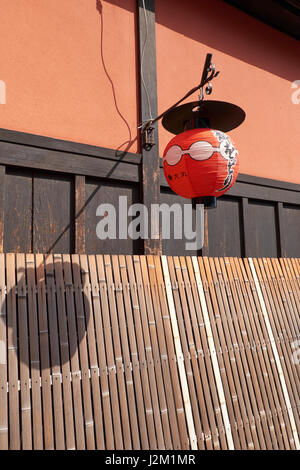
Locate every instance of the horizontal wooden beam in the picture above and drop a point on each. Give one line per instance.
(255, 180)
(265, 193)
(243, 188)
(49, 143)
(65, 162)
(76, 149)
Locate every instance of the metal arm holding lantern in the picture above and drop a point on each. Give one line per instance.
(200, 162)
(147, 130)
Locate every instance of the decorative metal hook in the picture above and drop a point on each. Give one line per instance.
(201, 95)
(208, 89)
(208, 74)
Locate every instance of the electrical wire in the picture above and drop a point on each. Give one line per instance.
(141, 71)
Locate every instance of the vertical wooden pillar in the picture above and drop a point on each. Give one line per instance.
(205, 248)
(246, 231)
(79, 214)
(150, 178)
(2, 204)
(281, 230)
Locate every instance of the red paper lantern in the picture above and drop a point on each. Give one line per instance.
(200, 162)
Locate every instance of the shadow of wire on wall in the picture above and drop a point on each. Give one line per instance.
(125, 146)
(45, 317)
(122, 149)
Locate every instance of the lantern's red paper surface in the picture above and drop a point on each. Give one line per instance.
(200, 162)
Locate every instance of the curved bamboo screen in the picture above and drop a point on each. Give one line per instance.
(135, 352)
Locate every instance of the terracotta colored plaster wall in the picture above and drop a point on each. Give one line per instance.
(70, 69)
(258, 65)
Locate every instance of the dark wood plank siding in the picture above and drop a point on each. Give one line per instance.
(224, 228)
(173, 246)
(18, 211)
(52, 213)
(79, 214)
(101, 192)
(291, 221)
(262, 238)
(50, 191)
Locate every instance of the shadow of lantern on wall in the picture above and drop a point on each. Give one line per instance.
(46, 322)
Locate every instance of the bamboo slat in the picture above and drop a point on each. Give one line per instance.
(34, 353)
(63, 264)
(284, 270)
(212, 295)
(118, 355)
(264, 319)
(188, 350)
(3, 358)
(268, 413)
(55, 356)
(79, 361)
(167, 409)
(88, 321)
(12, 347)
(25, 395)
(106, 400)
(64, 353)
(282, 333)
(120, 266)
(277, 358)
(167, 351)
(236, 343)
(211, 404)
(249, 368)
(149, 352)
(214, 356)
(44, 354)
(111, 366)
(120, 319)
(180, 360)
(230, 346)
(142, 356)
(152, 352)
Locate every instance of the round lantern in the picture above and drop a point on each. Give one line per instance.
(200, 162)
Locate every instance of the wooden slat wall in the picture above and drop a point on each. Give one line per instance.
(50, 191)
(149, 352)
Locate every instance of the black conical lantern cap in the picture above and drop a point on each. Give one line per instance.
(220, 115)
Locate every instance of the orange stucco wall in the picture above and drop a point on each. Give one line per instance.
(257, 66)
(70, 71)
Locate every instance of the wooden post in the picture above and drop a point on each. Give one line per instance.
(205, 248)
(150, 178)
(281, 230)
(246, 232)
(2, 203)
(79, 214)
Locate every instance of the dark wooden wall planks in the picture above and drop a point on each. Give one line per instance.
(291, 230)
(150, 174)
(17, 220)
(50, 190)
(225, 229)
